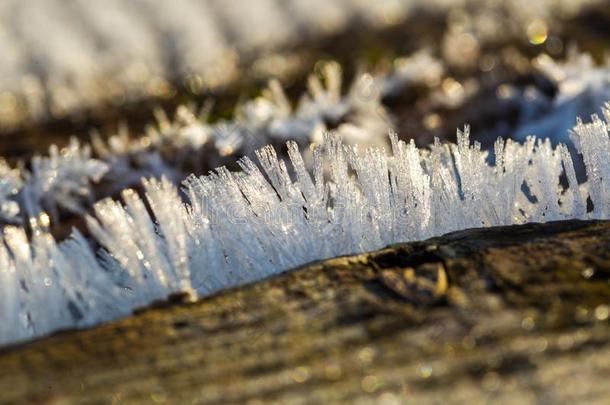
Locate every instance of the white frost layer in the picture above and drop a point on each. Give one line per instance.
(233, 228)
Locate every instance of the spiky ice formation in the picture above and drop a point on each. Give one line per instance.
(581, 85)
(190, 142)
(60, 180)
(174, 148)
(239, 227)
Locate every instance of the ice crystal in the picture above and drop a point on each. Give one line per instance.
(173, 147)
(229, 228)
(357, 116)
(10, 185)
(581, 88)
(60, 180)
(188, 142)
(47, 286)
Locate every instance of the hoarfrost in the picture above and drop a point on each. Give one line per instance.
(229, 228)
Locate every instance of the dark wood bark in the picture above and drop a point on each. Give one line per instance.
(513, 315)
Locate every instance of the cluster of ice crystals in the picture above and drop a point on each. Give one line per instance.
(582, 87)
(60, 180)
(358, 116)
(47, 286)
(171, 146)
(229, 228)
(592, 142)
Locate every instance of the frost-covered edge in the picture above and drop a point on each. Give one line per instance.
(238, 227)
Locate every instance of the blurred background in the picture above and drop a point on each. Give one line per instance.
(71, 65)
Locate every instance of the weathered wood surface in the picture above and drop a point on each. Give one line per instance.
(504, 315)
